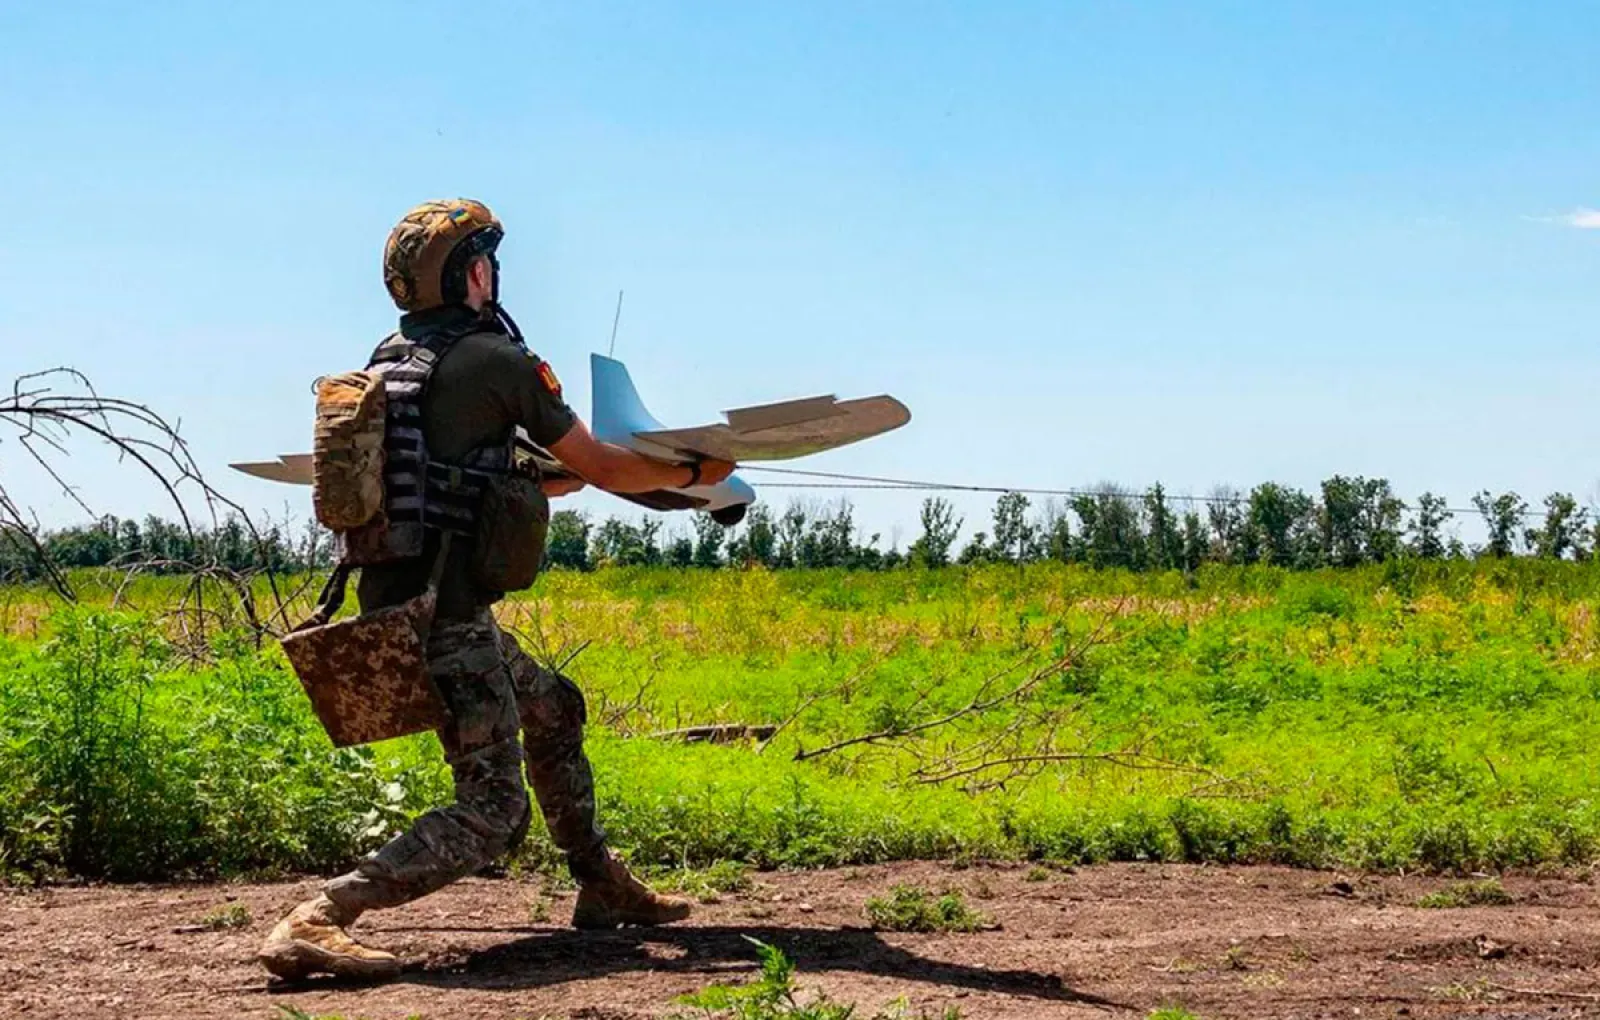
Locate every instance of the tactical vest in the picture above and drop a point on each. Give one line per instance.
(420, 492)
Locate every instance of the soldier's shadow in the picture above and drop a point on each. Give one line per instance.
(723, 953)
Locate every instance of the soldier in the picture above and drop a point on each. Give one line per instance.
(441, 270)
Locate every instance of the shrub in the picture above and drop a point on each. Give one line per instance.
(1486, 893)
(909, 908)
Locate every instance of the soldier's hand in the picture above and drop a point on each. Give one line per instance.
(555, 487)
(713, 471)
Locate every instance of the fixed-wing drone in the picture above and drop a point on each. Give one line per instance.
(765, 432)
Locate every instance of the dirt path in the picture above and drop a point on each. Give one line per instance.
(1115, 941)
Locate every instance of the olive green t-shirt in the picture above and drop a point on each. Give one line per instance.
(485, 385)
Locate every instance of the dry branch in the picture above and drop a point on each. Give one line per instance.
(1016, 731)
(985, 700)
(725, 733)
(46, 410)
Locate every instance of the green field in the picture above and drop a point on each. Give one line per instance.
(1402, 716)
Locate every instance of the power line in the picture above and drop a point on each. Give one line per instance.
(836, 481)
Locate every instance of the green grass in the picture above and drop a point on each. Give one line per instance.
(1172, 1013)
(1408, 716)
(1484, 893)
(908, 908)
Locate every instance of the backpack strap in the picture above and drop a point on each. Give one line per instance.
(333, 591)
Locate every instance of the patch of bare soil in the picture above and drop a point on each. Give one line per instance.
(1112, 941)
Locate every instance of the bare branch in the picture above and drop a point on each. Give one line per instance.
(46, 409)
(1121, 758)
(725, 733)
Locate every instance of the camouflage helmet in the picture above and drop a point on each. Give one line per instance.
(425, 260)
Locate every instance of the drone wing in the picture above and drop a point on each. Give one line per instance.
(292, 468)
(795, 428)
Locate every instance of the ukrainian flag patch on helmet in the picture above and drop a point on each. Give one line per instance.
(460, 215)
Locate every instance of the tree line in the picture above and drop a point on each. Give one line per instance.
(1349, 521)
(156, 545)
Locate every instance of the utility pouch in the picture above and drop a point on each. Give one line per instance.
(367, 677)
(508, 546)
(347, 450)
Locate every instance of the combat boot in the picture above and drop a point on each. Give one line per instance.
(312, 940)
(613, 898)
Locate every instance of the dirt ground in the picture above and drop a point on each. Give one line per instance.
(1112, 941)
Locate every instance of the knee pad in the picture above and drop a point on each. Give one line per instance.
(570, 697)
(490, 791)
(508, 820)
(555, 714)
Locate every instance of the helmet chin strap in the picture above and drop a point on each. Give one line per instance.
(505, 320)
(492, 311)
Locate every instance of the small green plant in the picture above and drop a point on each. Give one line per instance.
(1462, 991)
(1485, 893)
(709, 885)
(772, 996)
(296, 1013)
(1037, 873)
(910, 908)
(1172, 1013)
(769, 997)
(234, 915)
(539, 909)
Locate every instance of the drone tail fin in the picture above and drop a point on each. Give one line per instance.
(618, 410)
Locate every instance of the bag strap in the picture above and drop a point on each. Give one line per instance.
(437, 573)
(330, 600)
(332, 596)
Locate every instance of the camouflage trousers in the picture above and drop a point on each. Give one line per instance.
(493, 689)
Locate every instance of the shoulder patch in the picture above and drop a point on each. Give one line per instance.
(547, 375)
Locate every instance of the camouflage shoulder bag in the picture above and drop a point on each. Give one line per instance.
(367, 676)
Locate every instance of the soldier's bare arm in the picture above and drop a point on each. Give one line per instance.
(532, 397)
(618, 469)
(554, 487)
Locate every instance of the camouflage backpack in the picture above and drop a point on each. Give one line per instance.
(347, 450)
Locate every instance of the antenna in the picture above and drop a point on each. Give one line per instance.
(616, 319)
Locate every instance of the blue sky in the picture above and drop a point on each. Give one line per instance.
(1200, 243)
